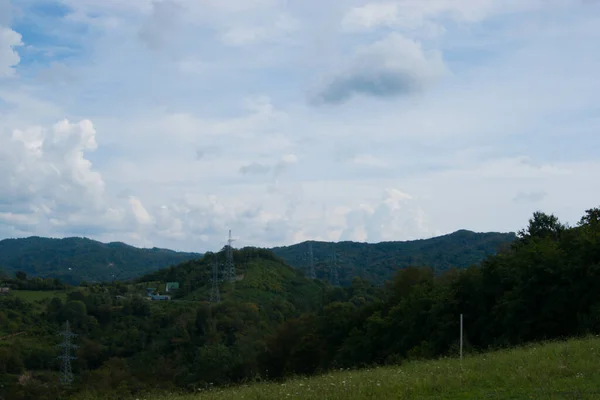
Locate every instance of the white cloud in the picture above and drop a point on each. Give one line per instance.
(414, 14)
(157, 30)
(51, 161)
(139, 211)
(44, 175)
(395, 217)
(370, 161)
(371, 15)
(393, 66)
(9, 57)
(256, 168)
(172, 129)
(273, 31)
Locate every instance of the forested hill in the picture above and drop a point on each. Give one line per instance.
(378, 262)
(80, 259)
(262, 279)
(73, 260)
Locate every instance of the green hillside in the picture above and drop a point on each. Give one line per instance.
(543, 371)
(378, 262)
(73, 260)
(262, 279)
(128, 342)
(79, 259)
(273, 324)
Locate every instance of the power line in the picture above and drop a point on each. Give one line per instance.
(66, 374)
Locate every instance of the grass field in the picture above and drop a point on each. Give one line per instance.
(556, 370)
(36, 295)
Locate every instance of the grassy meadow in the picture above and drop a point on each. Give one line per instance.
(554, 370)
(38, 295)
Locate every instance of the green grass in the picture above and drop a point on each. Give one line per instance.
(555, 370)
(38, 295)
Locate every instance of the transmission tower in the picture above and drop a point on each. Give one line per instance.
(333, 271)
(229, 269)
(310, 273)
(215, 294)
(66, 374)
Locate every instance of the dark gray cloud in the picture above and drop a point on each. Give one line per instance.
(395, 66)
(382, 83)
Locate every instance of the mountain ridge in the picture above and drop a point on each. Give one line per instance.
(65, 258)
(377, 262)
(75, 259)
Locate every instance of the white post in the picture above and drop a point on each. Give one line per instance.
(461, 336)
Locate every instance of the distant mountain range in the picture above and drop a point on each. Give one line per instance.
(378, 262)
(74, 260)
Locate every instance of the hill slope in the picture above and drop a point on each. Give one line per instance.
(558, 370)
(378, 262)
(263, 279)
(75, 259)
(127, 342)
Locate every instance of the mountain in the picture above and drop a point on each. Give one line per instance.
(80, 259)
(378, 262)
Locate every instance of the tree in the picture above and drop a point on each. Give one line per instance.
(591, 218)
(22, 276)
(541, 225)
(3, 275)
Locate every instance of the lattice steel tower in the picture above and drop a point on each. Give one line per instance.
(310, 272)
(215, 294)
(229, 269)
(333, 271)
(66, 374)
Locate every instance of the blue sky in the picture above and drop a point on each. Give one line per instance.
(166, 123)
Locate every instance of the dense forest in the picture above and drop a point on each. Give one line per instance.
(273, 322)
(379, 261)
(73, 260)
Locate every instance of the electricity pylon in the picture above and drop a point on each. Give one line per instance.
(66, 374)
(229, 270)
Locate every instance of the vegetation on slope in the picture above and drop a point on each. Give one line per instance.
(274, 324)
(379, 262)
(262, 279)
(73, 260)
(128, 343)
(543, 371)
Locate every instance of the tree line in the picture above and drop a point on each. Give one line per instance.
(543, 286)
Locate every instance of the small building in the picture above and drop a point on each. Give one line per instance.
(150, 291)
(4, 290)
(171, 286)
(159, 297)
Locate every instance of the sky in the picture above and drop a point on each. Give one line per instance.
(167, 123)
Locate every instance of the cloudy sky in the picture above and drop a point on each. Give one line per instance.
(166, 123)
